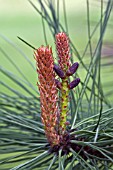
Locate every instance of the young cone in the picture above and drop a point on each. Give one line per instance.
(64, 70)
(63, 51)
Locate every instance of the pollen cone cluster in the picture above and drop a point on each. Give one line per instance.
(48, 93)
(54, 109)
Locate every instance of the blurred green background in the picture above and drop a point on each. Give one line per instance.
(18, 18)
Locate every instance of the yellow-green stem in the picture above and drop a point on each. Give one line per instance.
(64, 104)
